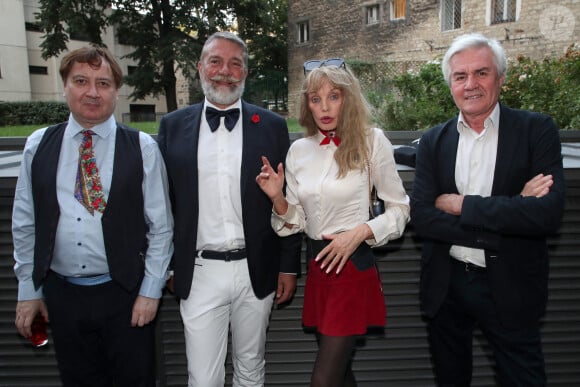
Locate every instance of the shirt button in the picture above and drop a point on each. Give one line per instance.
(79, 244)
(78, 219)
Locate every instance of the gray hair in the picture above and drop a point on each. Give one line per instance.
(474, 40)
(226, 35)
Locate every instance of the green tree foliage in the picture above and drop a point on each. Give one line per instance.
(421, 99)
(417, 100)
(166, 34)
(551, 86)
(266, 33)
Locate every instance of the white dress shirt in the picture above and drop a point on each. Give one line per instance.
(474, 171)
(220, 224)
(320, 203)
(79, 246)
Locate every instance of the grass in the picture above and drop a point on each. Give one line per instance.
(147, 127)
(18, 131)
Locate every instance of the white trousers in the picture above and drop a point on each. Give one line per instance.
(222, 297)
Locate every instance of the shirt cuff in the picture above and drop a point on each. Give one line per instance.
(27, 292)
(279, 221)
(152, 287)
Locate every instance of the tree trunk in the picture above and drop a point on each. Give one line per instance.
(171, 97)
(170, 85)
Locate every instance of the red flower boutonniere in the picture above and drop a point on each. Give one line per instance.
(255, 118)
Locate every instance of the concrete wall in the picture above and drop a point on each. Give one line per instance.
(20, 48)
(14, 77)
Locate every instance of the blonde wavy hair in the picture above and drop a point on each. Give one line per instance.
(353, 126)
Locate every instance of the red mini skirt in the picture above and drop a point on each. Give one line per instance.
(346, 304)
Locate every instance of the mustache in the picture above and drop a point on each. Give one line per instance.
(91, 101)
(222, 78)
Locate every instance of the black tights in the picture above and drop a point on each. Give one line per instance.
(333, 365)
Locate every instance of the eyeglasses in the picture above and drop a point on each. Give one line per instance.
(313, 64)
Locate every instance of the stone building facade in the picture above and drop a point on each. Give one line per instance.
(402, 33)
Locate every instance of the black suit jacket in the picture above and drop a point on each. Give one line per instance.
(512, 229)
(264, 134)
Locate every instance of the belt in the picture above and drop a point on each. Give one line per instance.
(468, 266)
(231, 255)
(92, 280)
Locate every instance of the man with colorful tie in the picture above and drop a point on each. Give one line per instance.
(92, 230)
(222, 220)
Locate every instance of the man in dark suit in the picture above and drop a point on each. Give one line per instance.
(488, 189)
(222, 220)
(92, 230)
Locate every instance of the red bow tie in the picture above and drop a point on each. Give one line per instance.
(328, 136)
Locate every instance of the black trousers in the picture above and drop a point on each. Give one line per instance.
(94, 342)
(518, 353)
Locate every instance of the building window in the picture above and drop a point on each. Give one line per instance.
(398, 9)
(42, 70)
(373, 14)
(503, 11)
(123, 39)
(450, 15)
(34, 27)
(142, 113)
(303, 31)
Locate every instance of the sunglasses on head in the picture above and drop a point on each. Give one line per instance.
(313, 64)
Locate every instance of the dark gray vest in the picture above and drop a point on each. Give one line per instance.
(123, 222)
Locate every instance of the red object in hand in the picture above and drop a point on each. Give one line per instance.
(39, 335)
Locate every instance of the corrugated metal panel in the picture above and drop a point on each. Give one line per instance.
(20, 363)
(400, 357)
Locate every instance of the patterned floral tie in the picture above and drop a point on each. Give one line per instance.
(88, 188)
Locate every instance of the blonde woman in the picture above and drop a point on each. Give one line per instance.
(328, 175)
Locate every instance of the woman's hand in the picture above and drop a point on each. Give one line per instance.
(341, 247)
(272, 183)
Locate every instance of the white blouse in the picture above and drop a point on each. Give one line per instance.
(320, 203)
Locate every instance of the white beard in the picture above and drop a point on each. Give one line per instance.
(222, 97)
